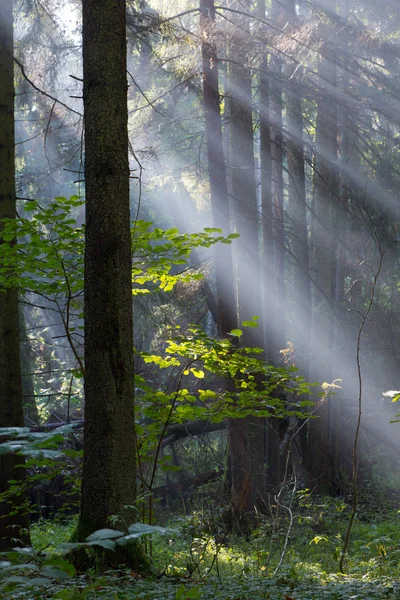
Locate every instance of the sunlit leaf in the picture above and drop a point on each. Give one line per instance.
(236, 332)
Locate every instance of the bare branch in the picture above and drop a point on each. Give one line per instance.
(35, 87)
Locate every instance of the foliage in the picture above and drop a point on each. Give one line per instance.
(23, 569)
(195, 360)
(44, 254)
(184, 555)
(395, 395)
(37, 445)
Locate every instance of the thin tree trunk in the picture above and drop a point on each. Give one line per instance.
(341, 226)
(324, 265)
(267, 248)
(298, 233)
(298, 217)
(14, 524)
(278, 320)
(268, 275)
(237, 429)
(277, 153)
(31, 415)
(250, 433)
(224, 277)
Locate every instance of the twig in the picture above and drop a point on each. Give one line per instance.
(360, 397)
(69, 399)
(35, 87)
(289, 529)
(144, 95)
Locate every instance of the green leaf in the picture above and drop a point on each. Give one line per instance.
(8, 237)
(145, 529)
(107, 544)
(31, 205)
(67, 547)
(250, 324)
(236, 332)
(198, 373)
(394, 394)
(104, 534)
(319, 538)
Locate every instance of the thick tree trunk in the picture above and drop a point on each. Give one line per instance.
(244, 184)
(109, 468)
(14, 522)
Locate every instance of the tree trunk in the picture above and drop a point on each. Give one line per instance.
(268, 274)
(297, 226)
(298, 219)
(277, 154)
(109, 468)
(324, 265)
(14, 524)
(224, 278)
(248, 443)
(237, 429)
(267, 247)
(340, 361)
(31, 415)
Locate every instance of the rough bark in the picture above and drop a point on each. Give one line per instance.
(273, 232)
(12, 526)
(109, 469)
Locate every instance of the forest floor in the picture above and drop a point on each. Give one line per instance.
(282, 559)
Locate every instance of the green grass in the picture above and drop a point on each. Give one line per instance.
(48, 535)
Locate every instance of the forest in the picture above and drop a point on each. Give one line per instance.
(199, 299)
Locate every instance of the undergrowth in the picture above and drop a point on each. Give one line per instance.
(198, 559)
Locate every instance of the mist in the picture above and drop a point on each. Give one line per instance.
(342, 64)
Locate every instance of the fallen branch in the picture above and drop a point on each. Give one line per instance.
(185, 485)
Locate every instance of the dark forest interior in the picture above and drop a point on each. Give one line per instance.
(199, 299)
